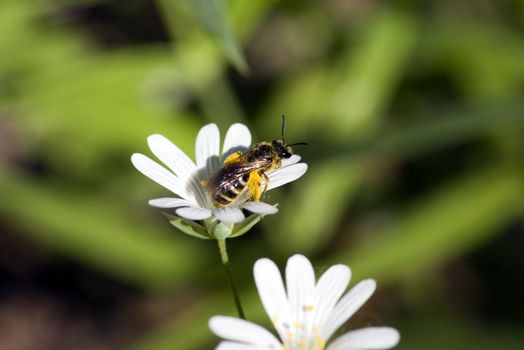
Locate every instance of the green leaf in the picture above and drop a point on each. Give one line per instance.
(188, 227)
(456, 218)
(211, 15)
(245, 225)
(348, 96)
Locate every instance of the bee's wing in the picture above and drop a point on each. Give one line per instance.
(230, 173)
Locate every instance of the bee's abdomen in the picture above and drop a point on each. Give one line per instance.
(229, 192)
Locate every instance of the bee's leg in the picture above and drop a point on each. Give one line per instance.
(232, 158)
(266, 182)
(254, 185)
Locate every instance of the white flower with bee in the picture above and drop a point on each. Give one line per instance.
(221, 184)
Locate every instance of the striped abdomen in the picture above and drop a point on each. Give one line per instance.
(229, 189)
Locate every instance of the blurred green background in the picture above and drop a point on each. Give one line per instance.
(414, 115)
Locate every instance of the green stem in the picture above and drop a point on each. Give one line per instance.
(230, 278)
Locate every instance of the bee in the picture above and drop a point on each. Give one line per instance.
(244, 173)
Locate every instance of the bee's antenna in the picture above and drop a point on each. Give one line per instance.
(283, 126)
(299, 143)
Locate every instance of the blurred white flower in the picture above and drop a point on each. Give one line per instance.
(305, 313)
(184, 176)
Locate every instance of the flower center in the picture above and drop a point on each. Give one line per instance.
(303, 334)
(299, 337)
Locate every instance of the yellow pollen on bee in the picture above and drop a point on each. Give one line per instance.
(232, 158)
(254, 185)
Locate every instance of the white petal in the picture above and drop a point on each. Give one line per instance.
(171, 156)
(170, 203)
(348, 305)
(295, 158)
(194, 213)
(367, 338)
(206, 150)
(260, 208)
(178, 162)
(232, 328)
(282, 176)
(330, 287)
(272, 293)
(300, 284)
(160, 175)
(238, 138)
(229, 215)
(229, 345)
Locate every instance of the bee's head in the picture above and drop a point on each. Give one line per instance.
(283, 150)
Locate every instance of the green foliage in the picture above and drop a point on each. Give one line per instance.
(212, 17)
(246, 225)
(188, 227)
(382, 87)
(431, 231)
(96, 231)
